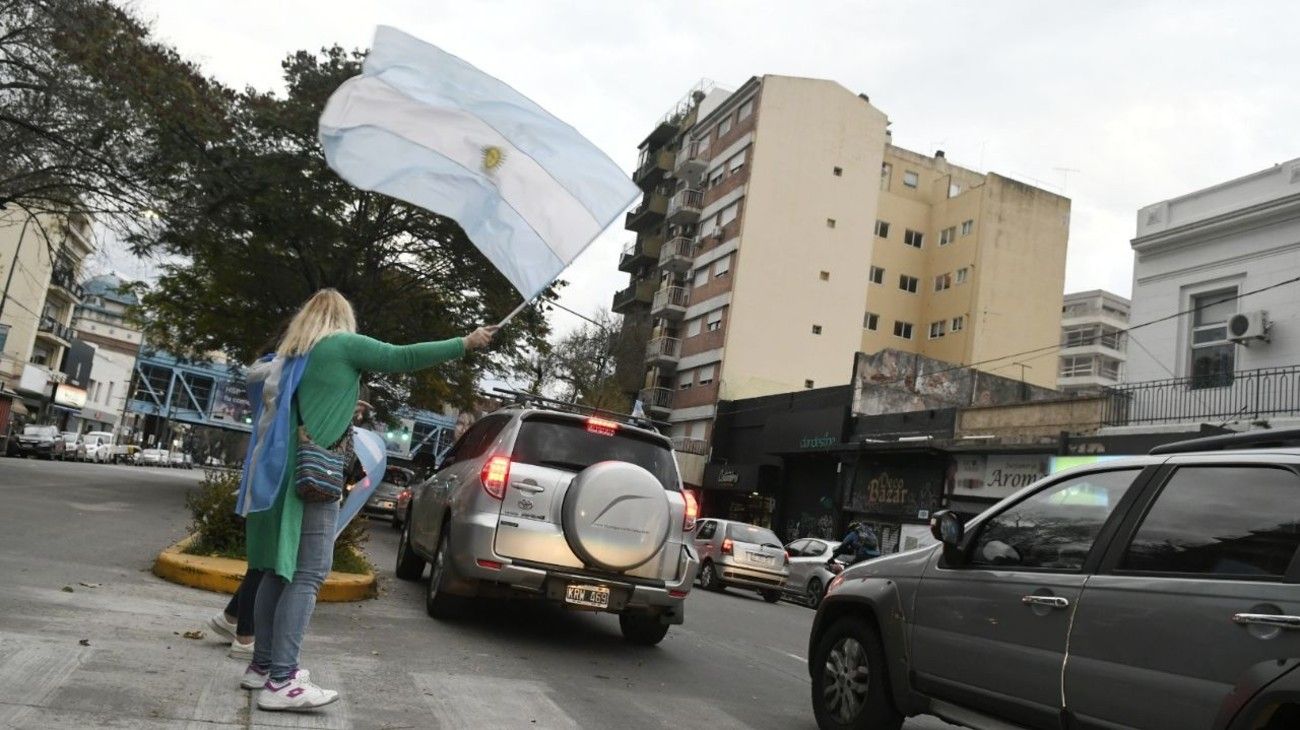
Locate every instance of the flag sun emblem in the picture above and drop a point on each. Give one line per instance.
(493, 156)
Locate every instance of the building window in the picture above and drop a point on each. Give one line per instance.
(694, 327)
(871, 321)
(1109, 368)
(962, 274)
(882, 229)
(825, 276)
(967, 226)
(958, 324)
(937, 329)
(886, 171)
(947, 235)
(714, 320)
(913, 238)
(701, 277)
(903, 329)
(1213, 356)
(735, 163)
(686, 380)
(942, 282)
(911, 179)
(1079, 336)
(830, 222)
(729, 213)
(908, 283)
(722, 267)
(1073, 367)
(724, 126)
(716, 177)
(817, 329)
(877, 275)
(704, 375)
(745, 110)
(953, 190)
(808, 384)
(838, 171)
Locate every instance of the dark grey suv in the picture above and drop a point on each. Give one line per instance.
(1158, 592)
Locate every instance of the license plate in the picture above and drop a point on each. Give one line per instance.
(584, 595)
(386, 505)
(760, 559)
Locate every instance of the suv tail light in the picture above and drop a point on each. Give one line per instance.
(727, 546)
(692, 511)
(496, 472)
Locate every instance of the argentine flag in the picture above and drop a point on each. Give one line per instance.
(423, 126)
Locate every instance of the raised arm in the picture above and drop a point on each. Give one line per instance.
(369, 354)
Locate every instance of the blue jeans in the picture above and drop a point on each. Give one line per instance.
(284, 607)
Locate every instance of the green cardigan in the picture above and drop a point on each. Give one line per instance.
(327, 397)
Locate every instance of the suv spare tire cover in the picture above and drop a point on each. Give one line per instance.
(615, 515)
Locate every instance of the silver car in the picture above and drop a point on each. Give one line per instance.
(740, 555)
(585, 512)
(812, 566)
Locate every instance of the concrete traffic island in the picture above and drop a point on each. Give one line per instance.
(223, 575)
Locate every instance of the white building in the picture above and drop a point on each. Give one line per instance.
(101, 320)
(1093, 346)
(1228, 257)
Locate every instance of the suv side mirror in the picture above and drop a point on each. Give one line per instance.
(946, 527)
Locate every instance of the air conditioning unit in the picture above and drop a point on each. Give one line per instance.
(1246, 326)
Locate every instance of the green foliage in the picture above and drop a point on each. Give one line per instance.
(219, 530)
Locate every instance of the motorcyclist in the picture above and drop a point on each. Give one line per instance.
(860, 543)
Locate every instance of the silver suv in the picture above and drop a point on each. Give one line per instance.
(740, 555)
(1158, 592)
(583, 511)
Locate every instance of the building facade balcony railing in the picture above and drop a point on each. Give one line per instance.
(65, 281)
(670, 302)
(641, 252)
(657, 399)
(691, 446)
(692, 163)
(652, 166)
(648, 214)
(1219, 398)
(663, 351)
(53, 327)
(685, 206)
(677, 254)
(638, 293)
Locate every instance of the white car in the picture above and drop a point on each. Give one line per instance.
(180, 460)
(96, 446)
(152, 457)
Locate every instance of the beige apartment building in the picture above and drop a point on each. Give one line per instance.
(40, 264)
(781, 232)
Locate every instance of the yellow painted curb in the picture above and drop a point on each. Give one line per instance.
(223, 575)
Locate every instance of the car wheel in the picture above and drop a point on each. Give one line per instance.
(850, 689)
(438, 603)
(642, 628)
(409, 565)
(815, 591)
(709, 580)
(770, 596)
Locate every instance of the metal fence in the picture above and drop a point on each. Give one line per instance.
(1245, 394)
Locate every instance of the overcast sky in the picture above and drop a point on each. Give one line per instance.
(1115, 104)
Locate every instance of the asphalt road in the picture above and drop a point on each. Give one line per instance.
(89, 637)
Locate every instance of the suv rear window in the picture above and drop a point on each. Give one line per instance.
(752, 534)
(565, 443)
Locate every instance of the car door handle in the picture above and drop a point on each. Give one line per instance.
(530, 486)
(1267, 619)
(1049, 601)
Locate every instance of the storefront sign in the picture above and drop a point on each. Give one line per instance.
(70, 396)
(804, 430)
(739, 477)
(35, 379)
(997, 476)
(906, 490)
(231, 403)
(77, 363)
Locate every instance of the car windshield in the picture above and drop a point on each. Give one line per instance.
(70, 437)
(752, 534)
(37, 431)
(573, 445)
(396, 476)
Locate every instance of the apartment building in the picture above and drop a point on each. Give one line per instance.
(101, 320)
(40, 261)
(781, 233)
(1093, 344)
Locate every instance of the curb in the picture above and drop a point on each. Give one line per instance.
(223, 575)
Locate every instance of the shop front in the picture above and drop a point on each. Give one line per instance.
(742, 492)
(895, 494)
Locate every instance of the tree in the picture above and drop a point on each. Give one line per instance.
(579, 367)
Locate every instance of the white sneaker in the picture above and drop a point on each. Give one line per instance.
(223, 627)
(294, 695)
(240, 650)
(253, 678)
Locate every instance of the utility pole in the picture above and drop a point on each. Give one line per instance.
(4, 297)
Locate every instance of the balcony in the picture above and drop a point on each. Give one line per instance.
(657, 400)
(64, 283)
(670, 303)
(52, 329)
(686, 206)
(1243, 395)
(648, 214)
(692, 163)
(676, 255)
(640, 292)
(663, 352)
(641, 252)
(699, 447)
(652, 167)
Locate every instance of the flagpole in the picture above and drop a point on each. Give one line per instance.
(517, 310)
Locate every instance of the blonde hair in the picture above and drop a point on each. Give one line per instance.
(324, 314)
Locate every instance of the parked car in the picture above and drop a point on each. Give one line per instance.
(1155, 592)
(812, 566)
(66, 446)
(179, 460)
(403, 504)
(38, 441)
(95, 446)
(582, 511)
(125, 454)
(383, 501)
(152, 457)
(740, 555)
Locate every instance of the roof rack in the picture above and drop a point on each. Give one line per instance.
(1259, 439)
(520, 398)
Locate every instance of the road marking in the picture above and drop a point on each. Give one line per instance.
(460, 701)
(33, 671)
(795, 657)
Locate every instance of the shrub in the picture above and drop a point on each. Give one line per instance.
(219, 530)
